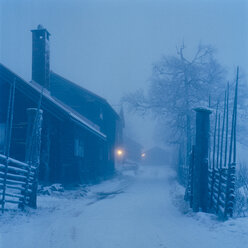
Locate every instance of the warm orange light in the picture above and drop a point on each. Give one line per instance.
(143, 155)
(119, 152)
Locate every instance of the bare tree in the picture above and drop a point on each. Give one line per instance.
(178, 84)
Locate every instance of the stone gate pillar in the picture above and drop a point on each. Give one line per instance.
(200, 179)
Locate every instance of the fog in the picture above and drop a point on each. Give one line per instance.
(177, 177)
(109, 47)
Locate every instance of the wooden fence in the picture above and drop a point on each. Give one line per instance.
(222, 191)
(19, 180)
(17, 183)
(212, 168)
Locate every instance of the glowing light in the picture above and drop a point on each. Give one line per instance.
(143, 155)
(119, 152)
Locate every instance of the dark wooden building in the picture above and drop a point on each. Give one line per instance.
(79, 128)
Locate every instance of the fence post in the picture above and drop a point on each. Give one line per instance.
(200, 179)
(191, 174)
(230, 190)
(33, 145)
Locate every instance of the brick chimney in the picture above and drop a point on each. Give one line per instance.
(41, 56)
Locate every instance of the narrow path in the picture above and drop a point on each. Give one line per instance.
(136, 212)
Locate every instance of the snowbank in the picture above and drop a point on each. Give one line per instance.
(138, 209)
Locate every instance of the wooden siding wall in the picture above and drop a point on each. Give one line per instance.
(92, 166)
(19, 131)
(58, 161)
(51, 149)
(4, 93)
(91, 107)
(67, 155)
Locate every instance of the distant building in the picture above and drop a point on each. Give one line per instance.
(80, 129)
(156, 156)
(133, 150)
(129, 150)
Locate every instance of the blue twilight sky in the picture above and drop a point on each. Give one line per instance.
(109, 46)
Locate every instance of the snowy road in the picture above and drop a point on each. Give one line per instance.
(135, 211)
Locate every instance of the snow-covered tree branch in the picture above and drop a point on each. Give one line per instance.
(178, 84)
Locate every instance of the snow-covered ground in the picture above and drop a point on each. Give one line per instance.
(134, 210)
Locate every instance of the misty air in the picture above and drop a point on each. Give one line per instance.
(123, 124)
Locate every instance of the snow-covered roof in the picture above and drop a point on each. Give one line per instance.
(69, 112)
(54, 76)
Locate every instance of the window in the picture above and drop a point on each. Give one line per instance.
(2, 136)
(79, 148)
(100, 113)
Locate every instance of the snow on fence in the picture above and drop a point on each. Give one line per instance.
(19, 180)
(212, 169)
(221, 191)
(16, 183)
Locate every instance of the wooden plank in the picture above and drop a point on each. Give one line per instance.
(13, 176)
(19, 188)
(13, 201)
(15, 182)
(14, 169)
(215, 196)
(13, 195)
(222, 203)
(224, 178)
(11, 160)
(223, 186)
(216, 189)
(221, 210)
(17, 177)
(16, 163)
